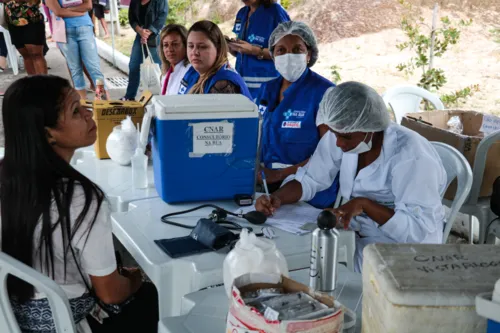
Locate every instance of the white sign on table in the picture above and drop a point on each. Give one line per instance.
(212, 138)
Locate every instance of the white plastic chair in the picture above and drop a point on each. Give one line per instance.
(407, 98)
(475, 205)
(58, 301)
(493, 232)
(457, 167)
(12, 52)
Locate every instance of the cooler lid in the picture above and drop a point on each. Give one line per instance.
(432, 275)
(208, 106)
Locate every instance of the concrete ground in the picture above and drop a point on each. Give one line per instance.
(57, 65)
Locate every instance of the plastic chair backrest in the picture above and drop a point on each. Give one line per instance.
(407, 98)
(11, 51)
(58, 301)
(479, 165)
(457, 167)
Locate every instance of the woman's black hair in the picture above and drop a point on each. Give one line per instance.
(34, 179)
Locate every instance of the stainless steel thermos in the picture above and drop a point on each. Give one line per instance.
(324, 252)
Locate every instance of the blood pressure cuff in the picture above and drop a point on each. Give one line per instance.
(206, 236)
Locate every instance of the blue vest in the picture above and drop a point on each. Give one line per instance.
(289, 131)
(262, 23)
(225, 73)
(189, 80)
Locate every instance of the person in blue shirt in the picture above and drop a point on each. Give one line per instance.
(254, 24)
(80, 47)
(289, 105)
(211, 72)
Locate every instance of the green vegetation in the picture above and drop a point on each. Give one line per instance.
(216, 17)
(429, 42)
(287, 4)
(496, 34)
(123, 17)
(335, 73)
(177, 11)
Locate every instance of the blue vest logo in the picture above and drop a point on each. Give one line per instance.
(262, 108)
(253, 38)
(290, 113)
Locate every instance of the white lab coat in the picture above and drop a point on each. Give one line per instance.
(408, 177)
(174, 82)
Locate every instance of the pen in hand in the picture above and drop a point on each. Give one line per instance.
(264, 182)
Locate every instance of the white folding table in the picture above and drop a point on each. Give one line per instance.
(140, 226)
(114, 179)
(205, 311)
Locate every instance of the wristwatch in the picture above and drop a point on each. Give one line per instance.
(261, 54)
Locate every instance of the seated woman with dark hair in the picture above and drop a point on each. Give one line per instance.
(56, 220)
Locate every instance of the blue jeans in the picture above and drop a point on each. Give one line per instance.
(134, 66)
(80, 47)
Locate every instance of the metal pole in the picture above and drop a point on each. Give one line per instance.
(112, 14)
(117, 15)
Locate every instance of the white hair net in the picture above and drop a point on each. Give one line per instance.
(298, 29)
(353, 107)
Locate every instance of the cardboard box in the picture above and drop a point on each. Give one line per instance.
(466, 143)
(242, 318)
(108, 114)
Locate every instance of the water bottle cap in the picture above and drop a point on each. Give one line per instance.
(326, 220)
(99, 82)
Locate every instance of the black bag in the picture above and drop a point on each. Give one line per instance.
(152, 40)
(495, 197)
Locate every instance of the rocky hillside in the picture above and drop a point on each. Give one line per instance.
(358, 41)
(336, 19)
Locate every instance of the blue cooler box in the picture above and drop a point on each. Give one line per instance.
(205, 147)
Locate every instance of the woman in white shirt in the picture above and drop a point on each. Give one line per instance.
(173, 55)
(392, 176)
(56, 220)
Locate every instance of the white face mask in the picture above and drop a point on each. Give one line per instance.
(291, 66)
(363, 147)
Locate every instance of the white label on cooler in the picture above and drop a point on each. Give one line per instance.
(212, 138)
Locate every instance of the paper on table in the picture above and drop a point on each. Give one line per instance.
(291, 218)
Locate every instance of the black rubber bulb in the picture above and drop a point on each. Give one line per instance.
(326, 220)
(255, 217)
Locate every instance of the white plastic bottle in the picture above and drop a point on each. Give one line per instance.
(140, 169)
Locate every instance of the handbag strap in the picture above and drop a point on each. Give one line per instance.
(148, 53)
